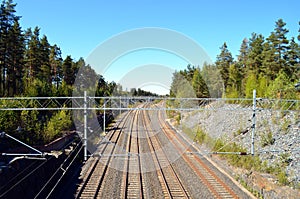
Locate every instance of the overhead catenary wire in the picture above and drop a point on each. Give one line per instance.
(60, 168)
(15, 177)
(30, 173)
(65, 171)
(2, 195)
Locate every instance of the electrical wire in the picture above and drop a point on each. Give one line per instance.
(18, 175)
(59, 168)
(17, 183)
(65, 171)
(24, 177)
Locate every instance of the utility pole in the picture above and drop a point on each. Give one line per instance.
(253, 122)
(85, 126)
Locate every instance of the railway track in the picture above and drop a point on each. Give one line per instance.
(97, 168)
(170, 182)
(132, 186)
(214, 183)
(137, 163)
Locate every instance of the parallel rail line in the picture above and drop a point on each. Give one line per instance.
(95, 175)
(171, 184)
(216, 185)
(133, 181)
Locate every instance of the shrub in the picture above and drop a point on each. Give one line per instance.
(59, 122)
(282, 178)
(200, 136)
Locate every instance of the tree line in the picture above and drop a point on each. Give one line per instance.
(271, 65)
(29, 64)
(29, 67)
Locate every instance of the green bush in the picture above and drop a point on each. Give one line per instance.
(59, 122)
(200, 136)
(282, 178)
(243, 161)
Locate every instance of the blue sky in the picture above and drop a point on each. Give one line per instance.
(78, 26)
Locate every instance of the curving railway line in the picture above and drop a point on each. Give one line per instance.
(144, 157)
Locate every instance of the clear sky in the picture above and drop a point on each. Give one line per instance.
(79, 26)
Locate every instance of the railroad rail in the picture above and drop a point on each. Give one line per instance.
(214, 183)
(94, 176)
(170, 182)
(135, 162)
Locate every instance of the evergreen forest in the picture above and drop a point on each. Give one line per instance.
(271, 65)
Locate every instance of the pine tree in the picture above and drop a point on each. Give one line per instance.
(180, 86)
(101, 86)
(33, 54)
(188, 73)
(16, 50)
(213, 80)
(199, 85)
(270, 62)
(7, 20)
(255, 56)
(276, 50)
(224, 60)
(244, 53)
(68, 72)
(293, 58)
(55, 61)
(235, 78)
(45, 68)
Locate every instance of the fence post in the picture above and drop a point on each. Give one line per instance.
(253, 122)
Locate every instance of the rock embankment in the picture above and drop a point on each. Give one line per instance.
(277, 133)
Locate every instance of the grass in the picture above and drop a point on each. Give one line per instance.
(267, 139)
(248, 162)
(285, 126)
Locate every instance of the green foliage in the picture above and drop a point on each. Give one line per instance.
(262, 86)
(243, 161)
(181, 87)
(200, 136)
(199, 85)
(251, 84)
(36, 87)
(58, 123)
(247, 162)
(232, 92)
(213, 80)
(224, 60)
(267, 139)
(235, 77)
(282, 178)
(32, 127)
(8, 119)
(277, 87)
(255, 55)
(261, 65)
(285, 125)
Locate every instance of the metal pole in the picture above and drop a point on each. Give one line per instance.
(253, 122)
(85, 127)
(104, 118)
(120, 105)
(180, 115)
